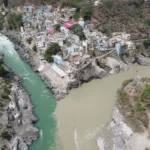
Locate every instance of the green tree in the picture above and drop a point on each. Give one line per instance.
(2, 70)
(5, 135)
(53, 49)
(15, 21)
(87, 14)
(146, 43)
(34, 48)
(29, 40)
(77, 29)
(57, 27)
(146, 93)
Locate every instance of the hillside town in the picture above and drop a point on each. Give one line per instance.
(44, 26)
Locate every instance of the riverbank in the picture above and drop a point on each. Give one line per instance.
(130, 119)
(17, 118)
(96, 68)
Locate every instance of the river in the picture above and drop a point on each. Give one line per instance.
(73, 124)
(41, 97)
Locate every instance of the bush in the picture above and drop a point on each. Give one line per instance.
(76, 15)
(57, 27)
(1, 25)
(53, 49)
(4, 96)
(126, 82)
(147, 22)
(146, 43)
(123, 95)
(15, 21)
(5, 135)
(34, 48)
(2, 71)
(29, 40)
(140, 107)
(146, 93)
(77, 29)
(87, 14)
(7, 90)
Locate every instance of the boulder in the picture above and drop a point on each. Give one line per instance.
(141, 60)
(113, 64)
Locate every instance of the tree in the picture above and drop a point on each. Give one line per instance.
(77, 29)
(34, 48)
(29, 40)
(5, 135)
(53, 49)
(2, 70)
(146, 43)
(15, 21)
(57, 27)
(87, 14)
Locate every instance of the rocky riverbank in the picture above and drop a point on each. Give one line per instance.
(95, 68)
(129, 128)
(17, 120)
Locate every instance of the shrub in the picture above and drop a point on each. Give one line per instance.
(87, 14)
(2, 71)
(6, 90)
(147, 22)
(76, 15)
(140, 107)
(15, 21)
(146, 93)
(5, 135)
(1, 25)
(4, 96)
(57, 27)
(34, 48)
(126, 82)
(29, 40)
(1, 61)
(77, 29)
(146, 43)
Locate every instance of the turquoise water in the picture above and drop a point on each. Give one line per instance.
(41, 97)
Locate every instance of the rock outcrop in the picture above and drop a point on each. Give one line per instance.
(17, 120)
(141, 60)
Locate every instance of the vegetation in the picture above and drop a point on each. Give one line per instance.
(2, 70)
(134, 102)
(77, 29)
(29, 40)
(147, 22)
(15, 21)
(146, 43)
(117, 16)
(85, 13)
(5, 135)
(146, 93)
(57, 27)
(140, 107)
(1, 22)
(1, 25)
(126, 82)
(34, 48)
(53, 49)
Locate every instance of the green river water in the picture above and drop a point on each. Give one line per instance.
(41, 97)
(77, 119)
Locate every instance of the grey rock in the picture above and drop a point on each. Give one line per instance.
(141, 60)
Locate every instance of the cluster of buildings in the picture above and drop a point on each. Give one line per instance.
(40, 23)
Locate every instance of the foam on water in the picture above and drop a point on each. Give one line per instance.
(76, 140)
